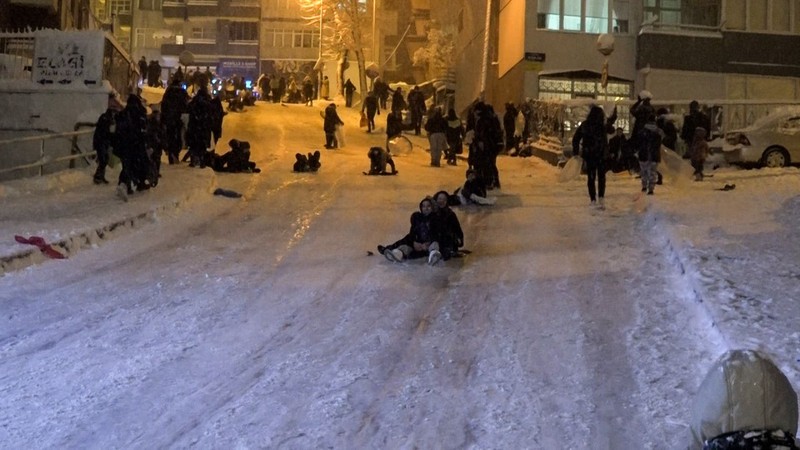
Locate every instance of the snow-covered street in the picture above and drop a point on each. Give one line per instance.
(270, 321)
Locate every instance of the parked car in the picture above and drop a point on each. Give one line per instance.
(772, 141)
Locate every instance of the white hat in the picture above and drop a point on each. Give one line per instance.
(645, 94)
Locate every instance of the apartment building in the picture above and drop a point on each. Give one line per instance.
(676, 49)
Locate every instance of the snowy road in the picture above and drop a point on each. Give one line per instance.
(262, 322)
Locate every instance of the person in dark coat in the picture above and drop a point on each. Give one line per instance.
(486, 144)
(617, 152)
(349, 90)
(416, 108)
(381, 91)
(649, 138)
(308, 91)
(454, 135)
(695, 118)
(198, 132)
(143, 69)
(640, 111)
(130, 146)
(174, 103)
(509, 126)
(591, 143)
(372, 107)
(329, 126)
(398, 102)
(378, 159)
(744, 402)
(103, 138)
(451, 236)
(155, 138)
(422, 239)
(217, 117)
(665, 124)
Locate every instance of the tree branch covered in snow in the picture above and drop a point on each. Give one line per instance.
(438, 55)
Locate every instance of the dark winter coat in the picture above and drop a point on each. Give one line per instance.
(331, 119)
(371, 104)
(670, 131)
(103, 132)
(699, 149)
(641, 112)
(591, 138)
(649, 139)
(424, 229)
(436, 124)
(217, 115)
(691, 121)
(476, 186)
(451, 234)
(743, 391)
(174, 103)
(394, 125)
(398, 102)
(381, 89)
(201, 121)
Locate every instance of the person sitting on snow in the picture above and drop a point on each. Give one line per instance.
(422, 239)
(378, 159)
(473, 192)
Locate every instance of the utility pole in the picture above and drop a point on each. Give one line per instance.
(485, 66)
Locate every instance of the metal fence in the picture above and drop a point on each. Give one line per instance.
(16, 55)
(42, 154)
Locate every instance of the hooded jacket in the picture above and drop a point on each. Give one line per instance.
(743, 391)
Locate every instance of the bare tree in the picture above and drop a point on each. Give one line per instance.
(342, 35)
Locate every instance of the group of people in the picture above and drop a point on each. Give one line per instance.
(278, 89)
(139, 138)
(642, 151)
(150, 72)
(435, 233)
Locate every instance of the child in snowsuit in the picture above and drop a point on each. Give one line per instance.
(699, 152)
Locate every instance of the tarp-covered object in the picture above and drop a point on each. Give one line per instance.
(743, 390)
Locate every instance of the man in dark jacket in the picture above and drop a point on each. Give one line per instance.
(695, 118)
(173, 104)
(103, 137)
(349, 90)
(591, 142)
(371, 107)
(329, 126)
(198, 133)
(416, 108)
(649, 138)
(381, 91)
(129, 146)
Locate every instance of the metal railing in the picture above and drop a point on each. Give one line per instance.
(76, 152)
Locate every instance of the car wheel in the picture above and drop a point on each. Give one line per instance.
(775, 157)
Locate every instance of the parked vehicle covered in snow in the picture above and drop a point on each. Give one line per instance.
(772, 141)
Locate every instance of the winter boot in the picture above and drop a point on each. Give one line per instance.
(393, 255)
(434, 257)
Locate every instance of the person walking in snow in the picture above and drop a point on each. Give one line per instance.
(198, 133)
(325, 89)
(130, 147)
(509, 126)
(308, 91)
(454, 135)
(173, 104)
(695, 118)
(349, 90)
(699, 152)
(329, 126)
(436, 126)
(416, 108)
(398, 102)
(591, 143)
(371, 107)
(381, 91)
(649, 139)
(421, 240)
(103, 138)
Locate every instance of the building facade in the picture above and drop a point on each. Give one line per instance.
(676, 49)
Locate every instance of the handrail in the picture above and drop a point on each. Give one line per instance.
(43, 160)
